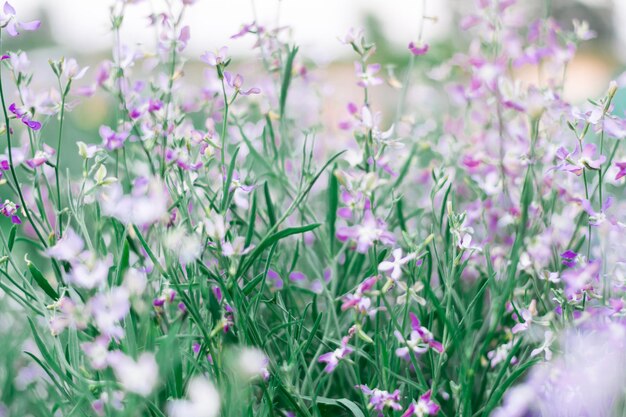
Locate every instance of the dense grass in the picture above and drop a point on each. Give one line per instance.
(222, 255)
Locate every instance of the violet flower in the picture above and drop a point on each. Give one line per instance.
(360, 300)
(581, 279)
(597, 218)
(420, 340)
(24, 116)
(622, 170)
(572, 162)
(215, 58)
(370, 230)
(425, 406)
(111, 139)
(41, 157)
(236, 82)
(12, 25)
(379, 399)
(367, 76)
(419, 48)
(9, 209)
(332, 358)
(569, 258)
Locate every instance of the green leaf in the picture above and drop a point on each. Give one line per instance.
(269, 241)
(287, 79)
(270, 206)
(123, 263)
(252, 284)
(41, 280)
(251, 220)
(229, 179)
(342, 402)
(333, 203)
(12, 234)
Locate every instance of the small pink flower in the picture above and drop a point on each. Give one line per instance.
(418, 49)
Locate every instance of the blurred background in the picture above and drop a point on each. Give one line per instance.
(81, 29)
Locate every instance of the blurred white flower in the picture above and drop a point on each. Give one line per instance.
(139, 377)
(203, 401)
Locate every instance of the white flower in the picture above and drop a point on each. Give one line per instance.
(68, 247)
(204, 401)
(140, 377)
(252, 362)
(395, 266)
(545, 347)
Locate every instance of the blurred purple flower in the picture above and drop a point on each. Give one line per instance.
(380, 399)
(418, 48)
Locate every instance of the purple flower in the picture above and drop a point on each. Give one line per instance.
(297, 276)
(581, 279)
(247, 28)
(622, 170)
(41, 157)
(420, 340)
(572, 162)
(366, 76)
(370, 230)
(595, 218)
(111, 139)
(423, 407)
(380, 399)
(12, 25)
(569, 258)
(9, 209)
(418, 49)
(360, 301)
(587, 379)
(24, 116)
(332, 358)
(275, 278)
(216, 58)
(236, 82)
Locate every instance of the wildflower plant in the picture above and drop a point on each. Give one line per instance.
(219, 252)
